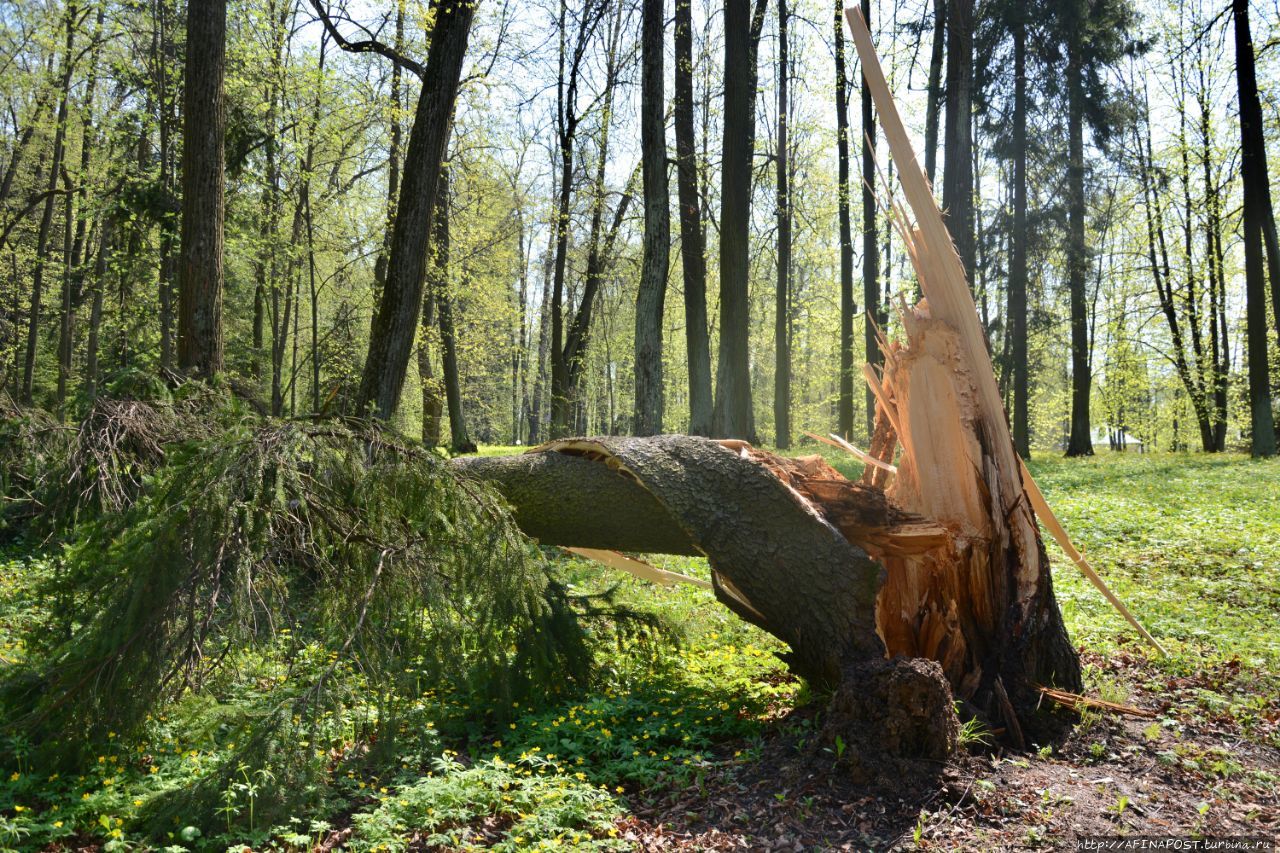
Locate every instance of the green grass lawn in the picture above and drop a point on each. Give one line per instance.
(1191, 543)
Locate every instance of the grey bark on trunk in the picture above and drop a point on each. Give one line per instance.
(692, 237)
(651, 296)
(200, 262)
(396, 324)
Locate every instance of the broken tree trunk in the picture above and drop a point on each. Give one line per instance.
(777, 560)
(802, 552)
(936, 565)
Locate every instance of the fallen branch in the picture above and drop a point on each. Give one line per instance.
(1075, 702)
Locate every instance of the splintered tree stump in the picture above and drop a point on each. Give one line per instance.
(938, 559)
(857, 578)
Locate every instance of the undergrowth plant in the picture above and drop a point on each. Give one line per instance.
(344, 565)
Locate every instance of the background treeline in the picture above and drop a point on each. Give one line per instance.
(650, 217)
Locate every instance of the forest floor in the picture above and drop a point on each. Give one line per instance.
(711, 745)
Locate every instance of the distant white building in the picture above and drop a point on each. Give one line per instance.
(1117, 438)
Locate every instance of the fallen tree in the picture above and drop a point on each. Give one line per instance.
(936, 558)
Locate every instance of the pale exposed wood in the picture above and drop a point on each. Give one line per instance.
(638, 568)
(949, 300)
(945, 284)
(1055, 528)
(882, 397)
(860, 455)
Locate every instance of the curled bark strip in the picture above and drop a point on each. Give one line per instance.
(779, 562)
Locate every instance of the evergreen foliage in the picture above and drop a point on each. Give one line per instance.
(335, 556)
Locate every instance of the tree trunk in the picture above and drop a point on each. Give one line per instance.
(544, 336)
(801, 552)
(957, 181)
(782, 294)
(732, 414)
(46, 218)
(568, 348)
(1080, 442)
(88, 144)
(432, 405)
(100, 268)
(844, 408)
(459, 442)
(1218, 367)
(933, 107)
(200, 264)
(519, 353)
(1191, 297)
(692, 237)
(396, 324)
(652, 292)
(66, 317)
(393, 160)
(1018, 254)
(1257, 213)
(870, 256)
(166, 107)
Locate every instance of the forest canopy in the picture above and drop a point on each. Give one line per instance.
(1089, 156)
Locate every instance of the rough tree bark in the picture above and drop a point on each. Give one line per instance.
(1257, 222)
(693, 239)
(651, 296)
(396, 323)
(731, 416)
(844, 408)
(200, 262)
(782, 294)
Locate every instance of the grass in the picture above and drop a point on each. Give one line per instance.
(1191, 543)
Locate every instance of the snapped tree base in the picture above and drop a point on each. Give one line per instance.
(811, 557)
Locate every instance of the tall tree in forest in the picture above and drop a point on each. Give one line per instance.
(200, 266)
(395, 139)
(651, 295)
(1080, 442)
(459, 441)
(50, 197)
(1219, 343)
(1017, 310)
(844, 408)
(957, 177)
(1258, 220)
(870, 249)
(934, 90)
(731, 417)
(568, 347)
(1095, 34)
(1003, 39)
(693, 240)
(166, 102)
(396, 323)
(782, 295)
